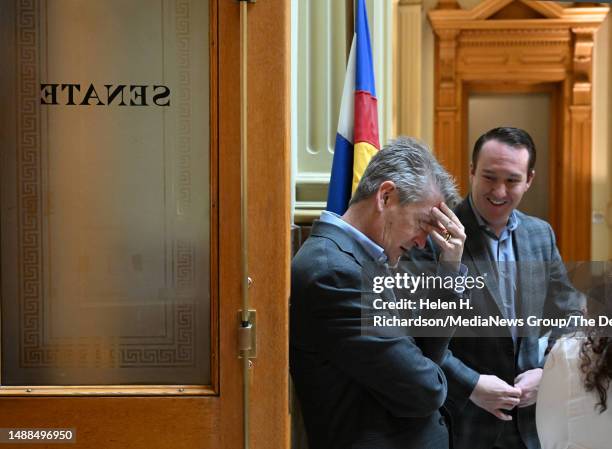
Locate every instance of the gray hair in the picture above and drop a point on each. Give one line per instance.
(409, 164)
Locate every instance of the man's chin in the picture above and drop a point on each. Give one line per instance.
(497, 216)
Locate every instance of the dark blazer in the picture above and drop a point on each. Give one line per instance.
(543, 290)
(357, 390)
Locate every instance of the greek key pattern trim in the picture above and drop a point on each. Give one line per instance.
(28, 188)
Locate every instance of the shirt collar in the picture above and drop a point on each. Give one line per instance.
(373, 249)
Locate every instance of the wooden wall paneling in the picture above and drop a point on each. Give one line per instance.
(447, 137)
(576, 214)
(466, 145)
(121, 422)
(555, 140)
(561, 166)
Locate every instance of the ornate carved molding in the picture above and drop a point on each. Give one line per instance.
(447, 55)
(552, 15)
(582, 65)
(515, 37)
(510, 45)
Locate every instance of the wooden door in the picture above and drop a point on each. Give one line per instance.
(120, 222)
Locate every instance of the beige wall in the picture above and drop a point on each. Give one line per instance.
(601, 246)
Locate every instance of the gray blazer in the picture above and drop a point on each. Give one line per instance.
(357, 390)
(543, 290)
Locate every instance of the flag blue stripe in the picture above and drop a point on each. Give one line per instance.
(365, 67)
(341, 180)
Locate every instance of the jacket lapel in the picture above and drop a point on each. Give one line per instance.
(528, 272)
(345, 242)
(474, 254)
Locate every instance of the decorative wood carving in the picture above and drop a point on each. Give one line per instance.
(515, 46)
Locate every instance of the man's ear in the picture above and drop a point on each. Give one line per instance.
(530, 177)
(384, 193)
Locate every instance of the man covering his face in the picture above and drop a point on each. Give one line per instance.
(359, 390)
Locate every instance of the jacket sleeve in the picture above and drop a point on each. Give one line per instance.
(461, 378)
(391, 367)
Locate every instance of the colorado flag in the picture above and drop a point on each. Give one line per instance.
(357, 135)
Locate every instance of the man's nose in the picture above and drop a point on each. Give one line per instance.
(500, 190)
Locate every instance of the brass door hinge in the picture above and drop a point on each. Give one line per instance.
(247, 335)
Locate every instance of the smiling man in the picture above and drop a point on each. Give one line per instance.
(500, 174)
(494, 377)
(359, 390)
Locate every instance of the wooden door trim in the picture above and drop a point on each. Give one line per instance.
(269, 223)
(108, 390)
(214, 95)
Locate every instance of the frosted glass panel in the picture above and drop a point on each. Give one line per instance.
(105, 231)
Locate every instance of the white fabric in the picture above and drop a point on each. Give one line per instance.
(566, 415)
(347, 104)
